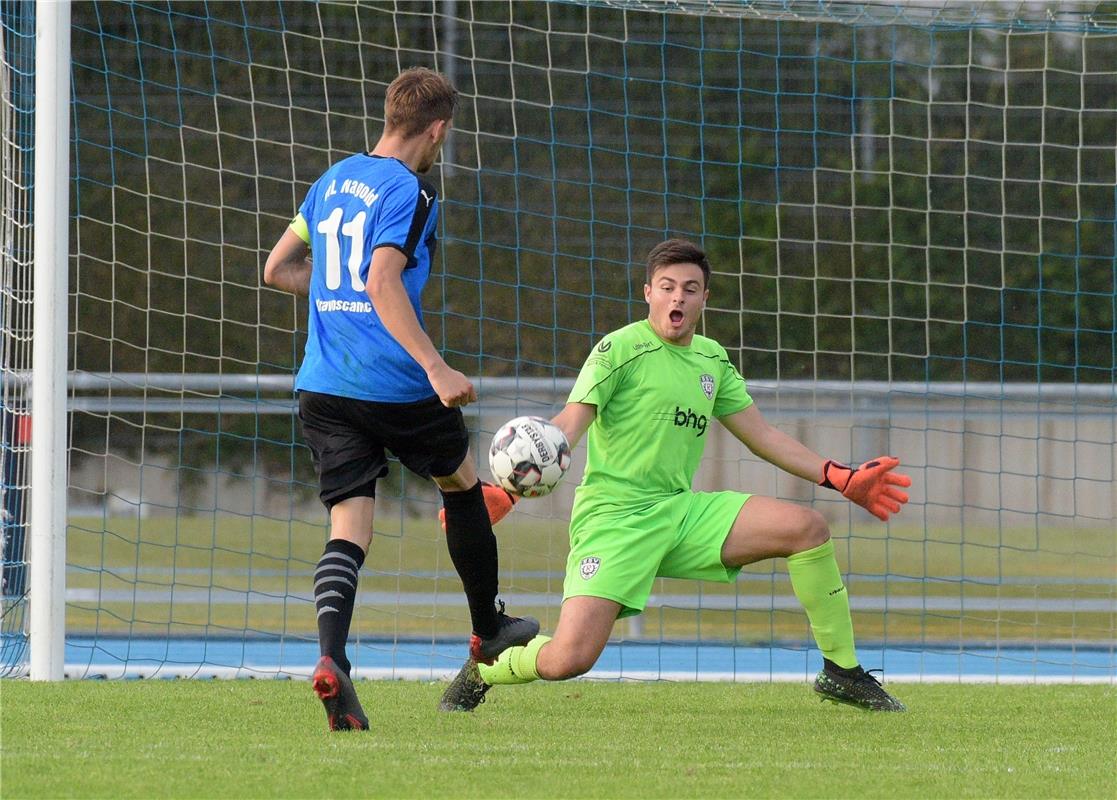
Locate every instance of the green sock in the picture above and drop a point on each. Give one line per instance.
(514, 665)
(818, 585)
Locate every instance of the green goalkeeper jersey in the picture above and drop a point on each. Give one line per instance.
(655, 404)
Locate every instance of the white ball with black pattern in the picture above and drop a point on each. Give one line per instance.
(529, 456)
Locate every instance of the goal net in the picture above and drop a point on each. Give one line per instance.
(909, 209)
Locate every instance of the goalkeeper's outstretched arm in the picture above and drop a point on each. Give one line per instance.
(773, 445)
(574, 420)
(873, 485)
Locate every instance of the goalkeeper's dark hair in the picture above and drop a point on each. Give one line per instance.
(678, 251)
(415, 99)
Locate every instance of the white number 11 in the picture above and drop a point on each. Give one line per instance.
(354, 229)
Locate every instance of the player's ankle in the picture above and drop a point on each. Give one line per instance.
(831, 667)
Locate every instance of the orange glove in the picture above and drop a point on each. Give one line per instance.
(497, 501)
(871, 485)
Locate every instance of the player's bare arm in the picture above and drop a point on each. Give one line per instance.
(773, 445)
(874, 485)
(389, 298)
(289, 265)
(574, 420)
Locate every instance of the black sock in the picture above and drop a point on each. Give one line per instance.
(469, 535)
(335, 592)
(830, 666)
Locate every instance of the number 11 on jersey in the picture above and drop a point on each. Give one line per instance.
(354, 229)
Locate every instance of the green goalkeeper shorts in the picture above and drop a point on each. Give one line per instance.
(617, 553)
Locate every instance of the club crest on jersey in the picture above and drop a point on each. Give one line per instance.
(707, 382)
(589, 567)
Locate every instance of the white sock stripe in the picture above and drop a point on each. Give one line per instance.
(326, 610)
(339, 567)
(330, 593)
(334, 579)
(336, 554)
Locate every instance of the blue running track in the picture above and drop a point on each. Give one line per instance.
(431, 660)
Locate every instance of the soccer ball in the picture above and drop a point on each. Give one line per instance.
(529, 456)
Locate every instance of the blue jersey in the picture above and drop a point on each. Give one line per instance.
(359, 204)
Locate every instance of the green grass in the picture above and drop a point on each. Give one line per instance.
(257, 554)
(256, 739)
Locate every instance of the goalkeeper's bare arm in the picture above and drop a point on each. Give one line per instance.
(873, 485)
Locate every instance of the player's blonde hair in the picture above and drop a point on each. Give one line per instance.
(678, 251)
(415, 99)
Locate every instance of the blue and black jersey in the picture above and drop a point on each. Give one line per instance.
(359, 204)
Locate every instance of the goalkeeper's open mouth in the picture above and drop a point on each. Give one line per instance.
(677, 318)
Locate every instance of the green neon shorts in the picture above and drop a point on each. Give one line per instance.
(618, 552)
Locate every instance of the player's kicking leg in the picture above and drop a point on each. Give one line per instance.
(584, 626)
(472, 545)
(768, 528)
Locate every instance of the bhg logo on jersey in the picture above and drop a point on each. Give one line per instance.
(688, 419)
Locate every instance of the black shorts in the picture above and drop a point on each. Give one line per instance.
(348, 438)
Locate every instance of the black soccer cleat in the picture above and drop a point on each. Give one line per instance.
(512, 632)
(855, 687)
(335, 690)
(466, 691)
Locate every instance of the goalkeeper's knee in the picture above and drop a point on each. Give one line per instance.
(815, 530)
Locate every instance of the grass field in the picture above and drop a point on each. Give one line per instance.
(257, 739)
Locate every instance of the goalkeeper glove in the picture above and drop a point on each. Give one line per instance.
(871, 485)
(497, 501)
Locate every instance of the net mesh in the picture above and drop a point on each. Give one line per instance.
(910, 213)
(17, 130)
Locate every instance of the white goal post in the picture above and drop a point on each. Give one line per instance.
(48, 391)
